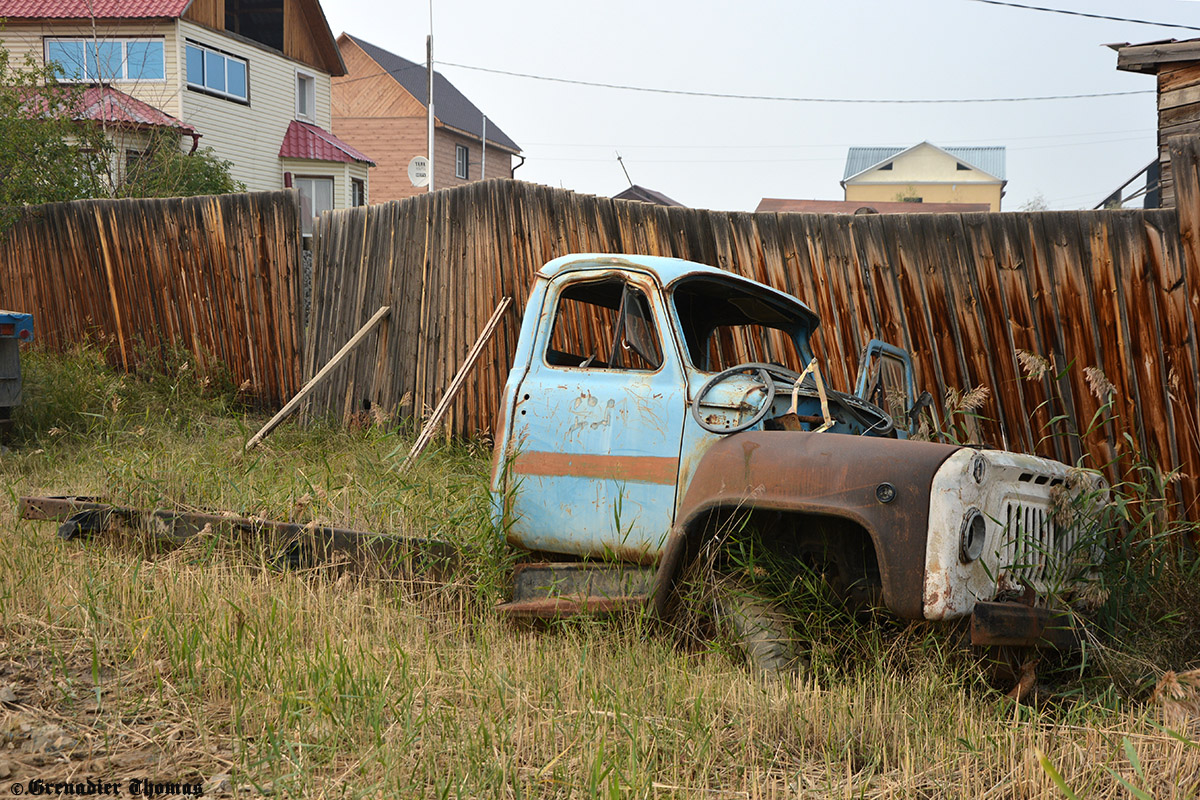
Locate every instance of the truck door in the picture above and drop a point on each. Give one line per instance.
(885, 379)
(597, 422)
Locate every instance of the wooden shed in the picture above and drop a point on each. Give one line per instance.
(1177, 65)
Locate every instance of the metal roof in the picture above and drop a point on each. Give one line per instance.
(986, 159)
(773, 204)
(450, 105)
(83, 9)
(304, 140)
(103, 104)
(644, 195)
(106, 104)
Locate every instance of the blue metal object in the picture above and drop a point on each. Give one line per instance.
(864, 386)
(14, 329)
(14, 325)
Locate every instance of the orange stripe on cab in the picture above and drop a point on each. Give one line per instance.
(639, 469)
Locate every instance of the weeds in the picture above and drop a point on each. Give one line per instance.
(208, 660)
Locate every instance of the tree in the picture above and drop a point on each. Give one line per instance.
(50, 153)
(1036, 203)
(166, 171)
(45, 155)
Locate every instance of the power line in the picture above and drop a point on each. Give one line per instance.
(1079, 137)
(776, 98)
(786, 160)
(1085, 14)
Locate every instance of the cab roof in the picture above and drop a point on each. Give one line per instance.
(670, 271)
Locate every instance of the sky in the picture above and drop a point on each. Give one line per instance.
(727, 154)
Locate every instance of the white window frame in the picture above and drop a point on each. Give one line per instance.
(307, 221)
(124, 41)
(200, 87)
(306, 80)
(462, 162)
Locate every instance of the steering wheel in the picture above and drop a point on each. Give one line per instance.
(761, 371)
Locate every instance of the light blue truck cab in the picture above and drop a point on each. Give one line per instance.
(643, 403)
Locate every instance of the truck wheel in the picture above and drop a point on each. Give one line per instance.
(760, 629)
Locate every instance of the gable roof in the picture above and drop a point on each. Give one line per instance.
(304, 140)
(451, 107)
(985, 159)
(83, 9)
(644, 195)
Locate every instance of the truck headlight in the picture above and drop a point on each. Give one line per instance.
(974, 530)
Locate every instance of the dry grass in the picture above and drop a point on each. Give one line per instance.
(206, 660)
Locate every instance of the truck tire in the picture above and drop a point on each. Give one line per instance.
(759, 629)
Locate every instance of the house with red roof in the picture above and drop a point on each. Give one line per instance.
(249, 79)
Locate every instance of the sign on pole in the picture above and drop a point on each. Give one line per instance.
(418, 171)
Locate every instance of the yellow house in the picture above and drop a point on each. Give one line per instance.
(925, 173)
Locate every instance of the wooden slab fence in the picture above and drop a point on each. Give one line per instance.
(217, 276)
(966, 293)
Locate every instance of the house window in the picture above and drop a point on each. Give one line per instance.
(886, 166)
(316, 195)
(306, 96)
(217, 73)
(136, 162)
(107, 60)
(461, 161)
(963, 168)
(358, 192)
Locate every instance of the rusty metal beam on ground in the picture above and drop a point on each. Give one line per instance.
(307, 544)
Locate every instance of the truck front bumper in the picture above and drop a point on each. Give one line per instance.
(1017, 625)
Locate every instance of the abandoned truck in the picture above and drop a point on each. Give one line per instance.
(643, 413)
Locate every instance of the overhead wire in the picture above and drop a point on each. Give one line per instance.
(1086, 14)
(736, 96)
(784, 99)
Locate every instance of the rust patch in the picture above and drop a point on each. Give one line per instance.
(639, 469)
(632, 555)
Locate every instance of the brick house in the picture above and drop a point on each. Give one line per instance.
(379, 105)
(249, 79)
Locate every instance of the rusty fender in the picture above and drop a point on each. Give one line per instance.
(818, 473)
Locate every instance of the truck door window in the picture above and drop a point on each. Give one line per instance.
(604, 324)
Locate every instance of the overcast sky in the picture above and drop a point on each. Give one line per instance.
(728, 154)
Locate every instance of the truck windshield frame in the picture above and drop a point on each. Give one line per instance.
(704, 305)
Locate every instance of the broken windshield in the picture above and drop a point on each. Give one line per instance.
(725, 322)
